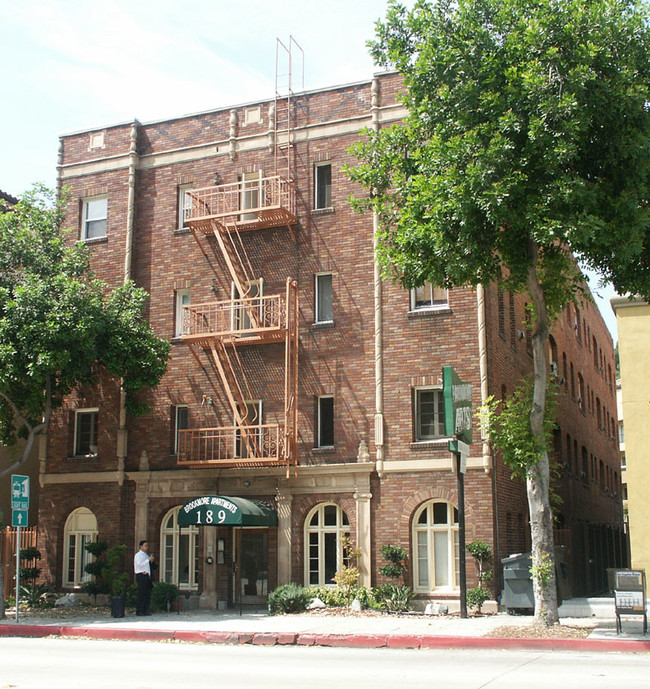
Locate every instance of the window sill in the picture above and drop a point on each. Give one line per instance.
(322, 325)
(95, 456)
(329, 450)
(177, 339)
(424, 444)
(429, 312)
(182, 230)
(95, 240)
(322, 211)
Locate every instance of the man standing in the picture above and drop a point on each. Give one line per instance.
(142, 567)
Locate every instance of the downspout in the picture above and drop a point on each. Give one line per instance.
(379, 350)
(128, 253)
(488, 460)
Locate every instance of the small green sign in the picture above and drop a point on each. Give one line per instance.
(19, 518)
(457, 397)
(19, 492)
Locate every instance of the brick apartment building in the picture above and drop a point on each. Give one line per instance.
(298, 378)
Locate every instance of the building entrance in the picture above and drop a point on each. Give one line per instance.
(250, 578)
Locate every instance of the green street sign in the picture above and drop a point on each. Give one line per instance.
(19, 518)
(19, 492)
(457, 396)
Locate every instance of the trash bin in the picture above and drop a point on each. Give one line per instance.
(517, 584)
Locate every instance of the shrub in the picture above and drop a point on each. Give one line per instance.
(337, 597)
(393, 598)
(34, 594)
(161, 594)
(395, 556)
(476, 597)
(289, 598)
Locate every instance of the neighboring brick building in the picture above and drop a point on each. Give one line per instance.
(338, 423)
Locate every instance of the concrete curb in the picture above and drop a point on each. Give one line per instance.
(332, 640)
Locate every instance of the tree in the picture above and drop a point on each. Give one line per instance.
(525, 147)
(60, 327)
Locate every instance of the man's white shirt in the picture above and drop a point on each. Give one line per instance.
(141, 563)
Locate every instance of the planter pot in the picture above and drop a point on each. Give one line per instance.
(117, 606)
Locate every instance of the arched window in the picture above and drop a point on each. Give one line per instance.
(435, 547)
(79, 530)
(325, 526)
(179, 552)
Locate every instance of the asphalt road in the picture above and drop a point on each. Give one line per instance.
(79, 664)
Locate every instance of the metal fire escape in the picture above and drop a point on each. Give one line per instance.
(225, 212)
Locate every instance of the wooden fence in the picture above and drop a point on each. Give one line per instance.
(8, 554)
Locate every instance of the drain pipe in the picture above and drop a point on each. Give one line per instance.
(128, 254)
(379, 350)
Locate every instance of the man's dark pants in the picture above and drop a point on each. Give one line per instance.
(144, 593)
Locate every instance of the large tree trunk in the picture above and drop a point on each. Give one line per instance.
(538, 481)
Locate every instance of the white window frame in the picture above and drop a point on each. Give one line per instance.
(182, 297)
(99, 215)
(317, 298)
(322, 203)
(319, 429)
(80, 526)
(250, 194)
(424, 536)
(184, 204)
(171, 535)
(314, 537)
(177, 425)
(418, 435)
(76, 450)
(433, 303)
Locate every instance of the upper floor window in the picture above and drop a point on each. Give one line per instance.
(95, 213)
(325, 421)
(182, 298)
(429, 413)
(429, 297)
(85, 432)
(181, 413)
(184, 205)
(324, 302)
(323, 186)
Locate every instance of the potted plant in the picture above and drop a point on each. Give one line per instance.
(110, 577)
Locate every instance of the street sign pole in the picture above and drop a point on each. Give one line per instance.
(17, 569)
(460, 475)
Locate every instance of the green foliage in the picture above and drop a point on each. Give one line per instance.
(348, 576)
(31, 553)
(480, 550)
(289, 598)
(338, 597)
(542, 569)
(60, 327)
(507, 424)
(476, 597)
(392, 598)
(161, 594)
(396, 557)
(107, 570)
(35, 595)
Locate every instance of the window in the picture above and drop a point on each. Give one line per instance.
(251, 307)
(325, 526)
(429, 414)
(429, 297)
(250, 185)
(95, 212)
(79, 530)
(179, 553)
(325, 421)
(435, 547)
(323, 186)
(181, 299)
(323, 290)
(184, 205)
(252, 420)
(85, 432)
(181, 413)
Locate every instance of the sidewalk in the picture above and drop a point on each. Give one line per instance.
(355, 631)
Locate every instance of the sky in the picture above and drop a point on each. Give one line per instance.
(72, 65)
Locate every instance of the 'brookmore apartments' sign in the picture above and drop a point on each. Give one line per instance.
(219, 510)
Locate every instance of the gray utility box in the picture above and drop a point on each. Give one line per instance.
(517, 583)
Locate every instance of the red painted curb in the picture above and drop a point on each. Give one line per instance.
(333, 640)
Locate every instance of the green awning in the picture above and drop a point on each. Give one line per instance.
(221, 510)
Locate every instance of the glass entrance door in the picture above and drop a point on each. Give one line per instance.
(251, 576)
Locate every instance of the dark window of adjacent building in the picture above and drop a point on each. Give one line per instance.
(85, 432)
(325, 421)
(323, 186)
(181, 414)
(324, 312)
